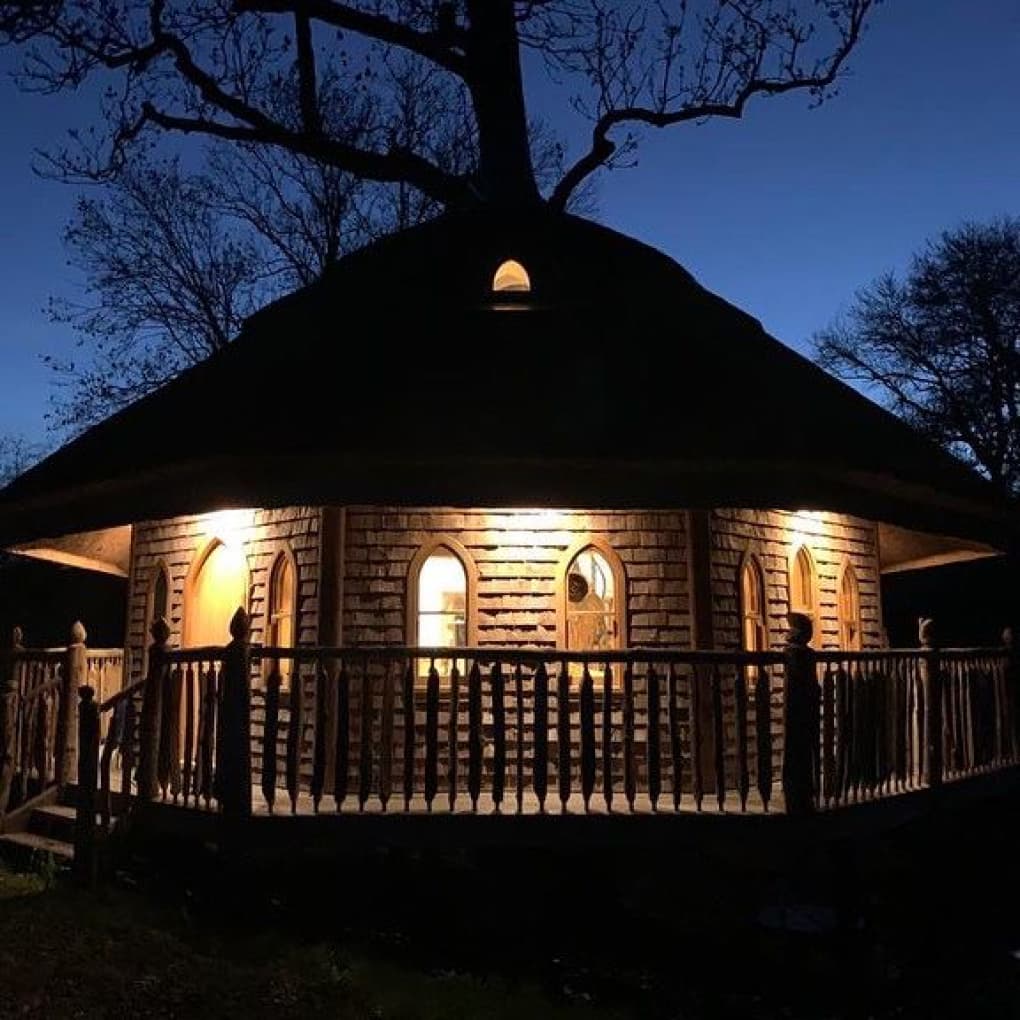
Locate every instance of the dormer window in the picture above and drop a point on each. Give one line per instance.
(511, 278)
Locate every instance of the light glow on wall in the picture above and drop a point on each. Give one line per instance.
(229, 526)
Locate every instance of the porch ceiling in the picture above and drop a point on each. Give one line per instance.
(901, 549)
(106, 551)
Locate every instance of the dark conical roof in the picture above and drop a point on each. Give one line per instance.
(400, 378)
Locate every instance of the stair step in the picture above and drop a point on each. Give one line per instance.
(24, 843)
(54, 821)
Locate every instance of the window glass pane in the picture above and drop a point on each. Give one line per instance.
(442, 601)
(160, 597)
(591, 603)
(802, 583)
(849, 611)
(752, 603)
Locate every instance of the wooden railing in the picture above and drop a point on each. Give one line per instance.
(533, 731)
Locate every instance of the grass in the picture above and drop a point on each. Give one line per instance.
(116, 954)
(507, 934)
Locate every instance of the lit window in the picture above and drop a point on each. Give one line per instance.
(511, 278)
(849, 610)
(591, 615)
(442, 602)
(281, 610)
(803, 589)
(752, 606)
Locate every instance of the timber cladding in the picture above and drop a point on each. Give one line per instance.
(774, 536)
(178, 546)
(519, 559)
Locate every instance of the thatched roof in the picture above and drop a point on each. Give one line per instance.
(400, 378)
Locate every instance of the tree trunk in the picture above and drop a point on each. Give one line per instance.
(506, 176)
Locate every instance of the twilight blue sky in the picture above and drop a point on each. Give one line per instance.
(784, 213)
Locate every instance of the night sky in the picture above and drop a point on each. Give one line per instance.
(785, 213)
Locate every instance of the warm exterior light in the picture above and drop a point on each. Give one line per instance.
(228, 525)
(511, 277)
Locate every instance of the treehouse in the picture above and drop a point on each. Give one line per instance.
(508, 516)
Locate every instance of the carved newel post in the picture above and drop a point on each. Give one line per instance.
(233, 753)
(152, 700)
(8, 719)
(800, 717)
(931, 679)
(74, 676)
(88, 771)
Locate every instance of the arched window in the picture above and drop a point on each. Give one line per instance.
(511, 278)
(802, 583)
(592, 597)
(440, 595)
(159, 596)
(281, 612)
(849, 610)
(754, 626)
(216, 587)
(803, 587)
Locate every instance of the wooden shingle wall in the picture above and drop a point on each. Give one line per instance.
(178, 543)
(774, 537)
(520, 556)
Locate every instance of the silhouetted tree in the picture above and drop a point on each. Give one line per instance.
(16, 455)
(219, 69)
(174, 262)
(941, 346)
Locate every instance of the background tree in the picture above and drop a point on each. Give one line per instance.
(16, 455)
(941, 347)
(220, 68)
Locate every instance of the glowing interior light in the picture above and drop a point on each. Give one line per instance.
(511, 277)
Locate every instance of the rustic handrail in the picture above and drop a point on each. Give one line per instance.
(487, 654)
(126, 692)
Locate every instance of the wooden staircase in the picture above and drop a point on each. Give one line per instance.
(44, 826)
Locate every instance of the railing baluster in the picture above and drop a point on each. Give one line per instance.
(828, 736)
(365, 756)
(474, 734)
(209, 728)
(320, 736)
(166, 728)
(540, 770)
(740, 723)
(431, 735)
(189, 731)
(498, 733)
(342, 764)
(453, 735)
(607, 736)
(563, 755)
(407, 713)
(654, 736)
(694, 724)
(295, 727)
(127, 750)
(587, 725)
(763, 734)
(719, 738)
(386, 727)
(675, 745)
(271, 736)
(519, 719)
(629, 770)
